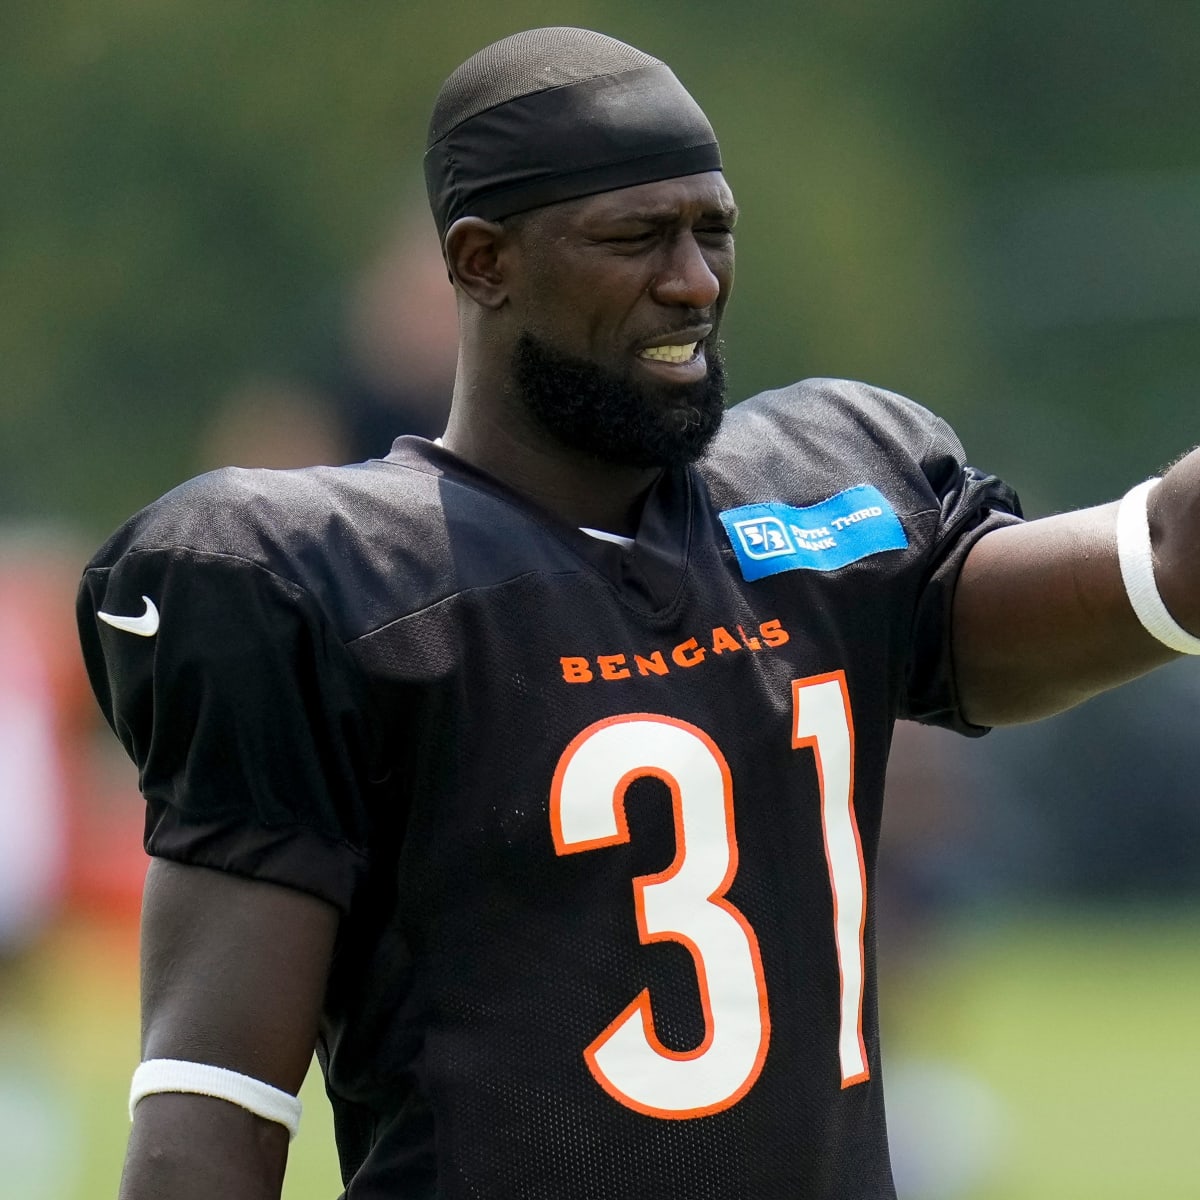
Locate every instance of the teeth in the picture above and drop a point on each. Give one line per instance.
(670, 354)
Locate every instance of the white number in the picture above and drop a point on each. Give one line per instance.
(685, 903)
(822, 720)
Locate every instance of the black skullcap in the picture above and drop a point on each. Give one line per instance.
(553, 114)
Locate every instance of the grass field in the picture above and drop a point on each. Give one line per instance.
(1082, 1029)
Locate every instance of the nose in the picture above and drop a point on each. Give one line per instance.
(687, 279)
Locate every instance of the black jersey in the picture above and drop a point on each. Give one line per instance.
(602, 822)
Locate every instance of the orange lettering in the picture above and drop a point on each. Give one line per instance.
(576, 670)
(752, 643)
(655, 664)
(723, 640)
(683, 658)
(612, 666)
(773, 633)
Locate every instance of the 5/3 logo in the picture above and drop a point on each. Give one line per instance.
(765, 537)
(687, 902)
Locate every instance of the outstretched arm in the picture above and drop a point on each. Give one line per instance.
(233, 974)
(1042, 620)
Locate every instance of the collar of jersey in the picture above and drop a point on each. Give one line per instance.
(647, 575)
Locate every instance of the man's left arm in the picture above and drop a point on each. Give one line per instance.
(1042, 619)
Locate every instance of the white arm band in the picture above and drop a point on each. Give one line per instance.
(1137, 569)
(175, 1075)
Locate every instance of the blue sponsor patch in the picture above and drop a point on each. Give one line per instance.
(770, 538)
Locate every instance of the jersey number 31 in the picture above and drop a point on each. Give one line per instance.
(687, 902)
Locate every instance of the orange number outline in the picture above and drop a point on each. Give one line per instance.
(640, 1007)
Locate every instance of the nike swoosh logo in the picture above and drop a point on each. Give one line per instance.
(144, 626)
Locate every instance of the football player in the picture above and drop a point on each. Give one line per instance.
(533, 775)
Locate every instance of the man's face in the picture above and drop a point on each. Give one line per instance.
(617, 303)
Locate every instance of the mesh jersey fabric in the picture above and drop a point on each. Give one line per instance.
(390, 656)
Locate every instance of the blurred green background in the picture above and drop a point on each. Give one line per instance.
(992, 207)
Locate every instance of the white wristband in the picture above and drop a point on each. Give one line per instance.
(1137, 569)
(175, 1075)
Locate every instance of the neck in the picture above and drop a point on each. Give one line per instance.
(504, 442)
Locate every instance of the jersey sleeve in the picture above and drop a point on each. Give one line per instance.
(243, 712)
(970, 503)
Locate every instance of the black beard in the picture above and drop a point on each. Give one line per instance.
(614, 417)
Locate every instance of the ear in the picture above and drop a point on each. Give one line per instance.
(474, 254)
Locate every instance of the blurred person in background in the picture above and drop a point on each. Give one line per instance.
(39, 678)
(381, 368)
(397, 720)
(43, 709)
(948, 1130)
(273, 421)
(1099, 807)
(400, 342)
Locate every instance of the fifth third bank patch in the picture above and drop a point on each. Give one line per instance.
(770, 538)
